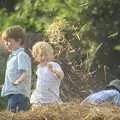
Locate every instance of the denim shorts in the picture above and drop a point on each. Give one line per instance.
(17, 102)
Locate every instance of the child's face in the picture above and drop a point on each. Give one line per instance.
(41, 59)
(11, 44)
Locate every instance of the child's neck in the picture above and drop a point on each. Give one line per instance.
(17, 47)
(44, 63)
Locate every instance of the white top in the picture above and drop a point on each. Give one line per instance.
(47, 87)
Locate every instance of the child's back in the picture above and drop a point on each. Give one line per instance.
(102, 96)
(110, 94)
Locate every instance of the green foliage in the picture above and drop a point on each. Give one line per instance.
(101, 25)
(36, 15)
(3, 59)
(104, 18)
(2, 65)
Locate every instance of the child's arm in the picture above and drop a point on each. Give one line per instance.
(23, 66)
(117, 100)
(20, 79)
(57, 72)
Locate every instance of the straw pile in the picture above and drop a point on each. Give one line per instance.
(67, 111)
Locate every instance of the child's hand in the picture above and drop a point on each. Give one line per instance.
(20, 79)
(55, 72)
(16, 82)
(50, 67)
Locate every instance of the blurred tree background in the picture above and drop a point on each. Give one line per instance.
(84, 33)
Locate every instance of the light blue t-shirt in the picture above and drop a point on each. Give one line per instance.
(112, 96)
(18, 61)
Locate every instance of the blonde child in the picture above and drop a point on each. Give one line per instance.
(49, 76)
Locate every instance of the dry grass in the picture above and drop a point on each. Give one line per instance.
(67, 111)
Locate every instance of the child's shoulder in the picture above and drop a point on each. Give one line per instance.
(23, 54)
(53, 63)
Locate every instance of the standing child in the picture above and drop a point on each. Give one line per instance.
(17, 85)
(49, 76)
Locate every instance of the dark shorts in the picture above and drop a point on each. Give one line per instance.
(17, 102)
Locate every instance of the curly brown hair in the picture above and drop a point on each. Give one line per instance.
(15, 32)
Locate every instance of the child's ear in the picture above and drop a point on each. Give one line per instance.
(20, 41)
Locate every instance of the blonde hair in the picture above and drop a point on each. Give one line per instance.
(15, 32)
(43, 50)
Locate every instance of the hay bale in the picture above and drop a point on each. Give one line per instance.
(67, 111)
